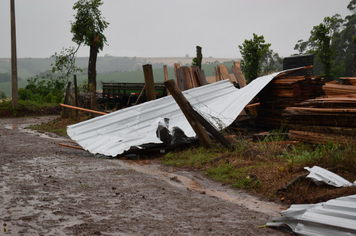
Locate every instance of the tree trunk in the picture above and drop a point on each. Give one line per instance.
(92, 75)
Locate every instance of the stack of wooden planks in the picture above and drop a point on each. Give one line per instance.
(348, 80)
(339, 89)
(323, 119)
(282, 92)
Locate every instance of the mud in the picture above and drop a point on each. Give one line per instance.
(47, 189)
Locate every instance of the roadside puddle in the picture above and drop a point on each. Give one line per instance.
(22, 128)
(179, 180)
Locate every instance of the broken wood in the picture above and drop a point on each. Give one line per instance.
(149, 81)
(165, 71)
(211, 129)
(240, 78)
(139, 96)
(216, 75)
(252, 105)
(83, 109)
(176, 66)
(185, 106)
(224, 73)
(70, 146)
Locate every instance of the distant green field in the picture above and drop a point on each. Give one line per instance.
(123, 77)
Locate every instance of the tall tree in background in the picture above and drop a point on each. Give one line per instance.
(322, 36)
(252, 52)
(343, 48)
(88, 29)
(271, 62)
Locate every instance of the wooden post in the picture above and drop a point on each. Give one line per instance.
(219, 74)
(75, 93)
(176, 66)
(199, 56)
(186, 108)
(14, 87)
(224, 73)
(216, 74)
(193, 82)
(165, 71)
(187, 80)
(149, 81)
(65, 112)
(240, 78)
(196, 76)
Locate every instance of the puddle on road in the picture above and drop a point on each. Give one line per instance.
(178, 180)
(22, 128)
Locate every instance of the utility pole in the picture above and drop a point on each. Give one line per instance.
(13, 56)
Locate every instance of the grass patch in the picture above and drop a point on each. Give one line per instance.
(265, 168)
(59, 126)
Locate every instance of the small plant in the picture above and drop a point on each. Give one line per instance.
(3, 95)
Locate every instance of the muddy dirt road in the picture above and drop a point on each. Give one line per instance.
(46, 189)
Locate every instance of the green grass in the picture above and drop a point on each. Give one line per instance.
(49, 128)
(251, 165)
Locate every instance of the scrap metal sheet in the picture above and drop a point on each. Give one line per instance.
(322, 176)
(334, 217)
(220, 103)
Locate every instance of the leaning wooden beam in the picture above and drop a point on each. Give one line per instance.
(252, 105)
(70, 146)
(211, 129)
(186, 107)
(83, 109)
(139, 96)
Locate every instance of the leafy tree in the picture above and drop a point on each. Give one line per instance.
(332, 43)
(322, 35)
(50, 85)
(252, 52)
(88, 30)
(271, 62)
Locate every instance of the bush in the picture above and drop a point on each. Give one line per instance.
(25, 94)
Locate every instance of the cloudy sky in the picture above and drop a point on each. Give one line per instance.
(168, 28)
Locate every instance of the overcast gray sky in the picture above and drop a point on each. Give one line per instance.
(168, 28)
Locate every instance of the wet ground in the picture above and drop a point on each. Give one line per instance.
(47, 189)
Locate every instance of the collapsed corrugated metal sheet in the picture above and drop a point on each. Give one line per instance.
(334, 217)
(322, 176)
(220, 103)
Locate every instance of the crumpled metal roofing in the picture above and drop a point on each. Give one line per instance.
(322, 176)
(220, 103)
(334, 217)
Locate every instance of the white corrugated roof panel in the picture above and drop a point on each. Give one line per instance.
(220, 103)
(334, 217)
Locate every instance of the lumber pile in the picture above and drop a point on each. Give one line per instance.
(348, 80)
(282, 92)
(323, 119)
(339, 89)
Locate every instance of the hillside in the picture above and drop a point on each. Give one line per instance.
(118, 69)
